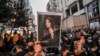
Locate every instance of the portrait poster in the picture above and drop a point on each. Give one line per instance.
(49, 28)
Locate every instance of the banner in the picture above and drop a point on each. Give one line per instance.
(49, 28)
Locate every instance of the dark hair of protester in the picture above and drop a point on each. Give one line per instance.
(30, 52)
(8, 42)
(64, 38)
(19, 49)
(31, 49)
(63, 51)
(89, 37)
(89, 41)
(5, 34)
(15, 32)
(2, 48)
(19, 45)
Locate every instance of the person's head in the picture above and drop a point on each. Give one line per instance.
(48, 23)
(76, 44)
(9, 35)
(65, 38)
(6, 35)
(15, 32)
(1, 42)
(30, 43)
(64, 51)
(78, 34)
(30, 49)
(18, 46)
(37, 47)
(89, 39)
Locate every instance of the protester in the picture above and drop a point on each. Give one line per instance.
(2, 46)
(82, 42)
(8, 42)
(85, 42)
(19, 50)
(16, 37)
(38, 49)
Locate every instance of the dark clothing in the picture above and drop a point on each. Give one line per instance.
(5, 54)
(21, 53)
(51, 41)
(2, 49)
(98, 51)
(53, 50)
(83, 54)
(8, 44)
(88, 47)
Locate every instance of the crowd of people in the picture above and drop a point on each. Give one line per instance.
(81, 42)
(17, 44)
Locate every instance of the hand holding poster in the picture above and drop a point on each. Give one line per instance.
(49, 28)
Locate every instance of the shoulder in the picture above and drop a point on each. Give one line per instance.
(26, 54)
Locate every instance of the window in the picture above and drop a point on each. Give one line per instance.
(55, 5)
(67, 12)
(74, 9)
(81, 4)
(93, 10)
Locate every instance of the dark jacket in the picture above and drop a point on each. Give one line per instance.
(21, 53)
(51, 41)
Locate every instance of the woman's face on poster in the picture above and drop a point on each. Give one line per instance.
(48, 23)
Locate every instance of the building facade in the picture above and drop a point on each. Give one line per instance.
(74, 16)
(54, 6)
(78, 13)
(92, 9)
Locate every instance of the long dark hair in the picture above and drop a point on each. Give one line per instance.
(51, 21)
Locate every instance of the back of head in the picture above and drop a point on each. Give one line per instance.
(15, 32)
(19, 45)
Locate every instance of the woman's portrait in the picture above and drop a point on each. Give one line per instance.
(49, 30)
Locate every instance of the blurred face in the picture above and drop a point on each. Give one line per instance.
(38, 47)
(48, 23)
(78, 34)
(77, 44)
(66, 38)
(30, 44)
(64, 53)
(89, 39)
